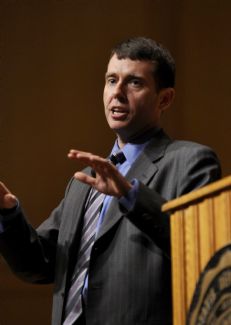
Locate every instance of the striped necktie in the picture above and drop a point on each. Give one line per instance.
(92, 211)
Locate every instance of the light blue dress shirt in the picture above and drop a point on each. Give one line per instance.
(131, 152)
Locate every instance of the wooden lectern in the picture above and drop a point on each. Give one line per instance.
(200, 225)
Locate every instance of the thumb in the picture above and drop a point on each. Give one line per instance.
(7, 199)
(10, 201)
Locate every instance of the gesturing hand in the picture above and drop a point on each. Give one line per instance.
(108, 180)
(7, 199)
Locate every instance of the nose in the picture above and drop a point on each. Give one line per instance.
(119, 92)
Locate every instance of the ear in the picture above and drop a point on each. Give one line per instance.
(166, 98)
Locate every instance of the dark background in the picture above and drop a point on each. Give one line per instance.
(53, 56)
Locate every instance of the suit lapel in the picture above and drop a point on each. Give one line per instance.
(143, 169)
(76, 208)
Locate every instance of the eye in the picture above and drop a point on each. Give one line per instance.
(111, 80)
(136, 82)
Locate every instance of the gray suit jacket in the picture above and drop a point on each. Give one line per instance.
(130, 266)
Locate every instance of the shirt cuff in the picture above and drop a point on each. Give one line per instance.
(129, 200)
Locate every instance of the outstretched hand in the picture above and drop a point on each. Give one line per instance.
(7, 199)
(108, 179)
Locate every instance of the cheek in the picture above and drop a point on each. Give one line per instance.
(147, 108)
(105, 102)
(106, 96)
(141, 105)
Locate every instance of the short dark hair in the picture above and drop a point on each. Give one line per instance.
(146, 49)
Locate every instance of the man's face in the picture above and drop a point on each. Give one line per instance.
(130, 97)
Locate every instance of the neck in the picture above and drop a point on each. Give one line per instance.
(137, 138)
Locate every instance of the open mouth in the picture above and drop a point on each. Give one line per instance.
(118, 113)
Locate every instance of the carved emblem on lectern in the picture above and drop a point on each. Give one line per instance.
(211, 303)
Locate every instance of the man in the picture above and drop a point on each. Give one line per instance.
(113, 268)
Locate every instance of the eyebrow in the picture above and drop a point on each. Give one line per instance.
(111, 74)
(129, 76)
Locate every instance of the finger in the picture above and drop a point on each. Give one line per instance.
(102, 169)
(93, 161)
(73, 153)
(10, 201)
(82, 177)
(3, 189)
(100, 165)
(84, 157)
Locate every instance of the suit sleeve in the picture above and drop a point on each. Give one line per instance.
(31, 253)
(188, 170)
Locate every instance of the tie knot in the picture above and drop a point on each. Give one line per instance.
(117, 157)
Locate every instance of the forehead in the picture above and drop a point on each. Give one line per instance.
(129, 67)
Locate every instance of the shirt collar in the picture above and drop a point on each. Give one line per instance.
(132, 150)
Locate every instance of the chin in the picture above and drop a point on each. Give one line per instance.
(116, 127)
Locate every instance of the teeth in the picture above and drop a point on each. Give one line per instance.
(116, 110)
